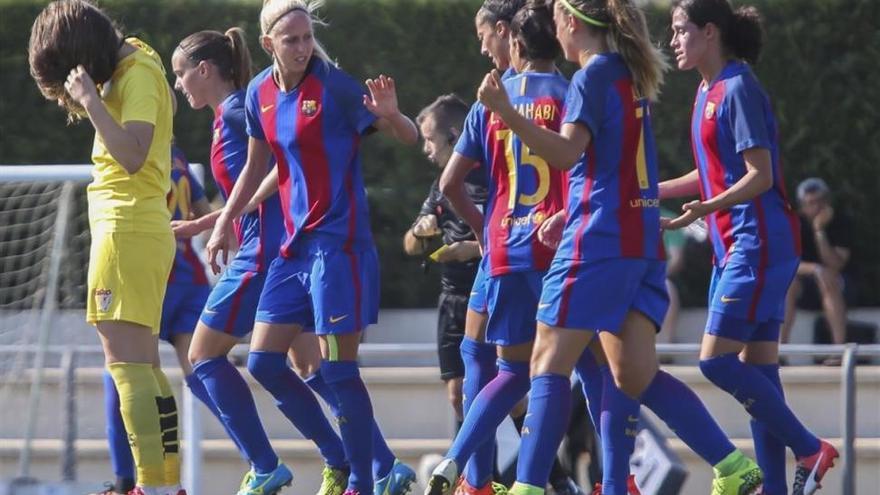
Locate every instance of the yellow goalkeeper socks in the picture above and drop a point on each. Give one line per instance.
(169, 423)
(138, 391)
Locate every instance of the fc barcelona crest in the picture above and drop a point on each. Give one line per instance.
(710, 110)
(309, 107)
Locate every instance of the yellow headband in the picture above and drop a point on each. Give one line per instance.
(580, 15)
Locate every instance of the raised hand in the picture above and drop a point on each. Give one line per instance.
(80, 86)
(492, 93)
(382, 100)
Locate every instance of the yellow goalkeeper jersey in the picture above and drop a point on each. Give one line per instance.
(123, 202)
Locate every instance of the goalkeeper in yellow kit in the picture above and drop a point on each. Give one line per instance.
(79, 59)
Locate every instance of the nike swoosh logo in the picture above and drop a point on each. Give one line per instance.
(266, 108)
(727, 300)
(474, 293)
(337, 319)
(812, 483)
(546, 305)
(209, 311)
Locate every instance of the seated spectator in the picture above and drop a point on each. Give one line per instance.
(820, 280)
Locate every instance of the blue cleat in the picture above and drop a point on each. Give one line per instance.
(398, 482)
(266, 484)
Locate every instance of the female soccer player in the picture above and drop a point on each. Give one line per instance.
(524, 192)
(753, 228)
(185, 296)
(608, 273)
(310, 117)
(212, 69)
(79, 59)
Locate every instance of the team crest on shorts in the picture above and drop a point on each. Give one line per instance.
(103, 298)
(710, 110)
(309, 107)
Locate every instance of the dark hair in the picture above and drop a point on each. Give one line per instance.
(448, 111)
(68, 33)
(741, 30)
(493, 11)
(229, 52)
(627, 34)
(533, 26)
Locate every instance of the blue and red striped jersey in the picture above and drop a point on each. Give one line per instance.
(314, 131)
(733, 114)
(523, 189)
(613, 207)
(185, 190)
(259, 232)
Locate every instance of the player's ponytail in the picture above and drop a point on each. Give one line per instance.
(228, 52)
(533, 27)
(241, 57)
(626, 33)
(741, 32)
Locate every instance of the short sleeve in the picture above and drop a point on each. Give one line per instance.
(745, 105)
(585, 100)
(141, 94)
(470, 143)
(253, 124)
(349, 97)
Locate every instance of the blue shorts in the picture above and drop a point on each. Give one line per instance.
(597, 295)
(181, 308)
(321, 286)
(747, 303)
(479, 300)
(513, 302)
(233, 302)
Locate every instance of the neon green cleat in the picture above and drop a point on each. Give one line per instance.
(524, 489)
(744, 478)
(333, 481)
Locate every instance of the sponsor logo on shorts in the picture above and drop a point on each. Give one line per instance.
(337, 319)
(103, 298)
(728, 300)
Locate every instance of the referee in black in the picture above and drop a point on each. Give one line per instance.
(440, 124)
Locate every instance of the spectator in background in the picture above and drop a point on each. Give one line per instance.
(440, 124)
(820, 281)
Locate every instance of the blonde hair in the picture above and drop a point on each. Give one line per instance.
(627, 34)
(274, 10)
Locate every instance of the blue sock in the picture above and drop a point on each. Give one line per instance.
(383, 458)
(479, 369)
(231, 395)
(591, 376)
(486, 412)
(761, 399)
(620, 418)
(545, 425)
(198, 390)
(355, 420)
(686, 415)
(770, 450)
(297, 402)
(117, 437)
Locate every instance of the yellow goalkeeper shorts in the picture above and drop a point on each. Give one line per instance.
(128, 273)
